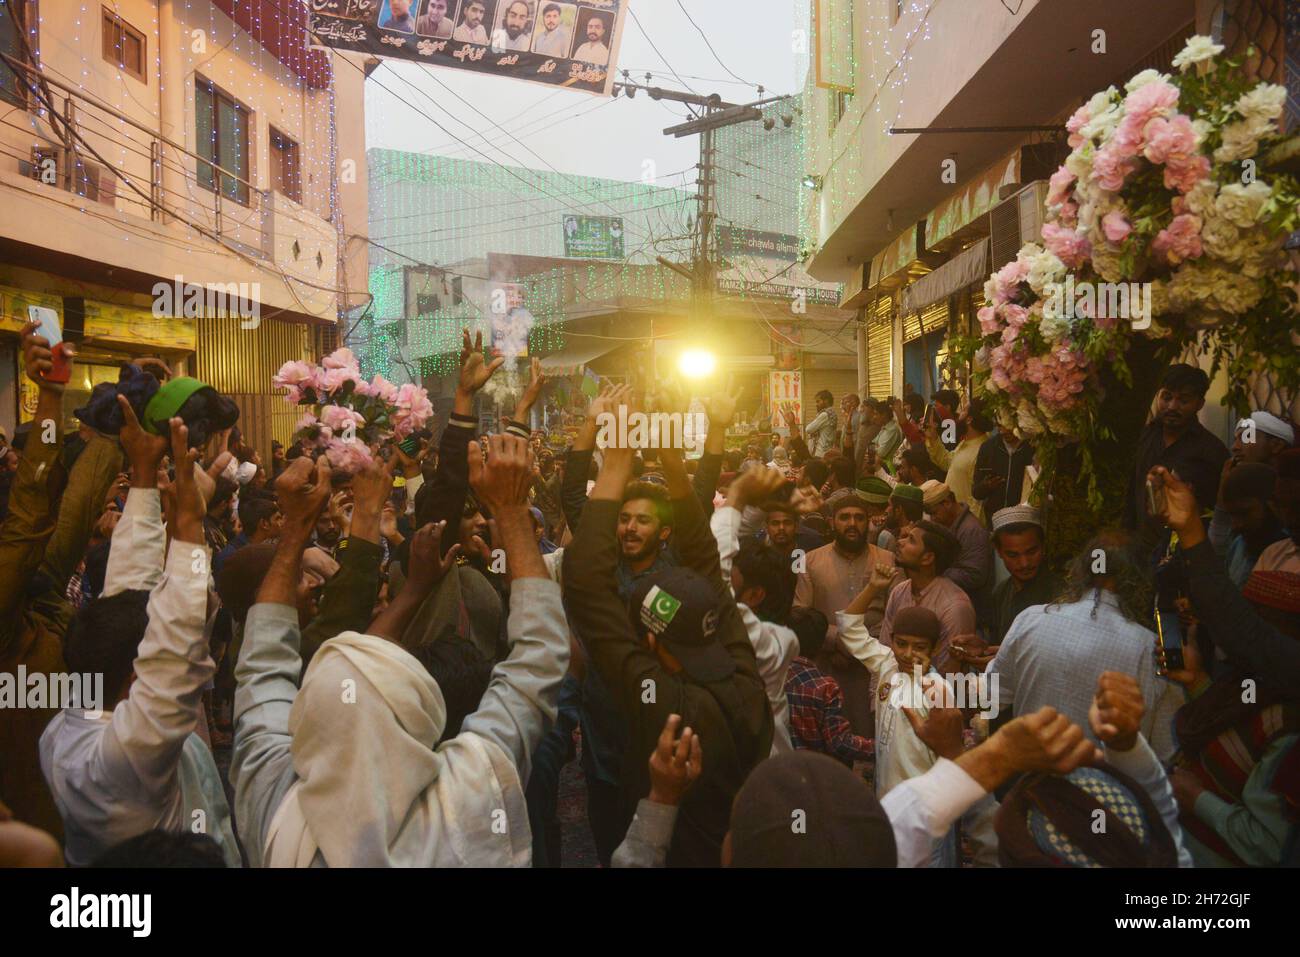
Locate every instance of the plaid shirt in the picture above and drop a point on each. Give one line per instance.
(817, 720)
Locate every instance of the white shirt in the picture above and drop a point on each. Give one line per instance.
(553, 42)
(465, 34)
(590, 52)
(774, 645)
(900, 754)
(117, 774)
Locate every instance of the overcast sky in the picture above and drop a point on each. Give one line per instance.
(585, 133)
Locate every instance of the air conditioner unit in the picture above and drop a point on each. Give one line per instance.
(51, 165)
(1016, 220)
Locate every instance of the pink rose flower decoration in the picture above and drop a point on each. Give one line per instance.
(1147, 102)
(1075, 123)
(1180, 240)
(335, 377)
(337, 417)
(1067, 245)
(1110, 167)
(295, 376)
(1184, 173)
(1169, 137)
(1116, 226)
(413, 410)
(383, 389)
(342, 359)
(349, 457)
(1058, 190)
(988, 320)
(1015, 315)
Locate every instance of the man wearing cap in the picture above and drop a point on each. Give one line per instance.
(906, 506)
(678, 646)
(1175, 436)
(832, 577)
(875, 493)
(925, 551)
(973, 567)
(1262, 438)
(1019, 539)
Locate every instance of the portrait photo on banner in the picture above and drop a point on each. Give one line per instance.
(595, 28)
(472, 26)
(553, 34)
(513, 27)
(397, 15)
(437, 19)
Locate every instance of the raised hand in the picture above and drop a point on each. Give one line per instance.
(190, 506)
(1180, 510)
(1116, 710)
(721, 407)
(675, 763)
(503, 481)
(38, 358)
(425, 569)
(370, 490)
(302, 490)
(144, 451)
(1045, 741)
(475, 370)
(754, 486)
(534, 389)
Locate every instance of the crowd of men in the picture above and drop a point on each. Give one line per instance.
(842, 646)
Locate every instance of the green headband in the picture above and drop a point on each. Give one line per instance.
(167, 401)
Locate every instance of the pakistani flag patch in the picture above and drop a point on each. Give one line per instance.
(658, 609)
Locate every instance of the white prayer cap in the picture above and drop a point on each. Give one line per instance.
(1270, 424)
(1017, 515)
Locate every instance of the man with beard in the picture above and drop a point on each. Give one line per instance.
(1271, 437)
(1245, 522)
(434, 22)
(832, 577)
(512, 35)
(1174, 436)
(1018, 538)
(594, 50)
(471, 29)
(973, 430)
(925, 551)
(906, 506)
(553, 39)
(972, 569)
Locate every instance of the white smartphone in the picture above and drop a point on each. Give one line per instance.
(49, 324)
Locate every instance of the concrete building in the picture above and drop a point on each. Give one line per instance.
(149, 146)
(912, 224)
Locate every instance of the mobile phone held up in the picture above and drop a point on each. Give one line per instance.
(48, 329)
(1155, 498)
(1169, 639)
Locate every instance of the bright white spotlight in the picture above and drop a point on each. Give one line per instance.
(697, 363)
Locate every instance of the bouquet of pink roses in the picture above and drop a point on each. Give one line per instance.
(349, 417)
(1169, 216)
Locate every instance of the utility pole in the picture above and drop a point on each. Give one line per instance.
(712, 113)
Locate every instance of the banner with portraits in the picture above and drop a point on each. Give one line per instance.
(568, 44)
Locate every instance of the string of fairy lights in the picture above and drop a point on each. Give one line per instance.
(212, 50)
(870, 64)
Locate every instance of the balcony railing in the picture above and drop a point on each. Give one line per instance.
(98, 152)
